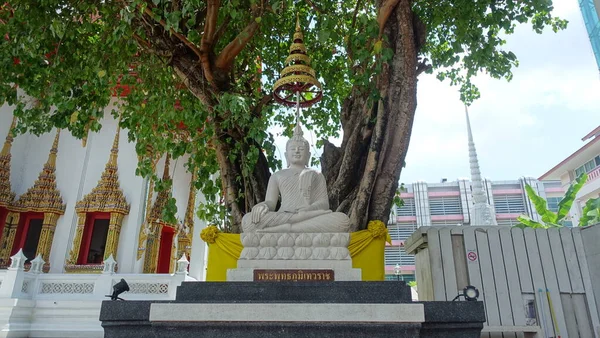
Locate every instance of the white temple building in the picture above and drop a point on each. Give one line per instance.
(75, 206)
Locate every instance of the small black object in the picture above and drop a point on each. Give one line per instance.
(118, 289)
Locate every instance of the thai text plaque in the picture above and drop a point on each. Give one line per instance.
(293, 275)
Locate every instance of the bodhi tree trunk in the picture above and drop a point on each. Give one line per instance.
(363, 173)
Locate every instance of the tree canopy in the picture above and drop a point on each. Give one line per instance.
(198, 77)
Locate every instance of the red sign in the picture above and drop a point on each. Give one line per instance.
(472, 256)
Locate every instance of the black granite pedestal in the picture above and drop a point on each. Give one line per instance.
(441, 319)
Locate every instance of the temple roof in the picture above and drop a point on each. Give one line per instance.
(7, 196)
(107, 196)
(44, 195)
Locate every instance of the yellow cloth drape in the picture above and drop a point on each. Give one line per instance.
(367, 248)
(223, 254)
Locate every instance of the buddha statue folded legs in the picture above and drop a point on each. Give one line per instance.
(304, 201)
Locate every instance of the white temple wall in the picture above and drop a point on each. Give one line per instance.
(181, 185)
(69, 171)
(78, 170)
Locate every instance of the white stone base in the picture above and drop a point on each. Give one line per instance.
(247, 274)
(321, 312)
(289, 251)
(294, 264)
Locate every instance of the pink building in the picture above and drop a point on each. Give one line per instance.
(585, 160)
(450, 203)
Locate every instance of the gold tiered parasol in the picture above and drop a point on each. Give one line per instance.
(297, 84)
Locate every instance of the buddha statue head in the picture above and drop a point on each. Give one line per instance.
(297, 149)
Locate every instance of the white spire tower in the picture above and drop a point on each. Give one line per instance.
(483, 213)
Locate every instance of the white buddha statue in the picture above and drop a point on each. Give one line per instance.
(304, 201)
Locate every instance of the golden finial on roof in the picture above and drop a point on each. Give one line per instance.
(54, 150)
(114, 151)
(189, 212)
(7, 196)
(9, 137)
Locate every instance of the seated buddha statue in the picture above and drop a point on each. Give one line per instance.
(304, 201)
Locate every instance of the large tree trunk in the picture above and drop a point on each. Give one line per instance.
(362, 174)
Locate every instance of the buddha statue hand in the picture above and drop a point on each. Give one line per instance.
(258, 211)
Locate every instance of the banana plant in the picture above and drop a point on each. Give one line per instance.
(551, 219)
(591, 213)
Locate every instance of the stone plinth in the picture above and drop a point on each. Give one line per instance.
(287, 309)
(312, 251)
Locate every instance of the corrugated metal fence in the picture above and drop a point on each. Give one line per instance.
(525, 277)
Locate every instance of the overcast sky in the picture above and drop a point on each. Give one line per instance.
(521, 128)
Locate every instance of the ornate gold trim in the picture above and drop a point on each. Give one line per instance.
(112, 239)
(47, 235)
(74, 253)
(186, 232)
(88, 268)
(298, 47)
(297, 78)
(44, 196)
(8, 237)
(298, 57)
(108, 197)
(7, 196)
(298, 69)
(155, 223)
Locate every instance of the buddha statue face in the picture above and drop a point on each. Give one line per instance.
(297, 152)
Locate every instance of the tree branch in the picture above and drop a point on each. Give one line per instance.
(182, 38)
(256, 110)
(141, 41)
(228, 54)
(206, 45)
(312, 4)
(384, 13)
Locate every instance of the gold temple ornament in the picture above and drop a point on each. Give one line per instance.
(106, 197)
(297, 84)
(43, 197)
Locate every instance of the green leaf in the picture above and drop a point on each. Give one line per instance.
(527, 222)
(324, 35)
(567, 202)
(377, 47)
(539, 203)
(591, 212)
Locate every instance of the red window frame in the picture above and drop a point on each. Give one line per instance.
(86, 238)
(164, 250)
(23, 229)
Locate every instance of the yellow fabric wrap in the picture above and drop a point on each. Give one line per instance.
(367, 248)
